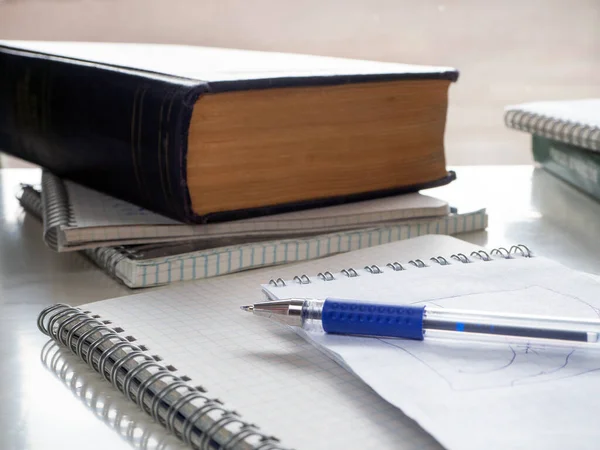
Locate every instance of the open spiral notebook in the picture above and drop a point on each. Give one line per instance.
(292, 390)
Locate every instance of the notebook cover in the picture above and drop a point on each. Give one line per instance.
(575, 122)
(115, 117)
(577, 166)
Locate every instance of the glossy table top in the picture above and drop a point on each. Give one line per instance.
(44, 405)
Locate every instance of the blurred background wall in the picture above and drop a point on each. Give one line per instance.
(507, 51)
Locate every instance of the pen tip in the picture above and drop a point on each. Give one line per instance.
(248, 308)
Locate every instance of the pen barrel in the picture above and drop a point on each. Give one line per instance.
(509, 326)
(372, 319)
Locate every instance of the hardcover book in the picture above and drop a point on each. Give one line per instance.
(205, 134)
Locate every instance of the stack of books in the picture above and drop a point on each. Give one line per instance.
(565, 138)
(167, 163)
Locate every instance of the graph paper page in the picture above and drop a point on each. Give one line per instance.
(474, 396)
(270, 376)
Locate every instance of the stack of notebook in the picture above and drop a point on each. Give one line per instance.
(565, 138)
(142, 248)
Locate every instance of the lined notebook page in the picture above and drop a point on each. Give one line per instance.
(269, 375)
(511, 395)
(99, 217)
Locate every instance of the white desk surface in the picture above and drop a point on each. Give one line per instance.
(38, 410)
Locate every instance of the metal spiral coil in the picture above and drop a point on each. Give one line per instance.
(174, 408)
(277, 282)
(247, 431)
(92, 349)
(107, 354)
(440, 260)
(225, 420)
(482, 255)
(395, 266)
(522, 249)
(374, 269)
(151, 385)
(162, 395)
(461, 257)
(417, 263)
(326, 276)
(350, 272)
(56, 209)
(501, 251)
(162, 372)
(572, 132)
(208, 406)
(131, 376)
(302, 279)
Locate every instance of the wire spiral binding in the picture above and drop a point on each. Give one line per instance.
(417, 263)
(396, 266)
(326, 276)
(575, 133)
(31, 200)
(373, 269)
(185, 410)
(107, 258)
(440, 260)
(57, 212)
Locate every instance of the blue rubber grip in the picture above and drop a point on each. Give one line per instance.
(372, 319)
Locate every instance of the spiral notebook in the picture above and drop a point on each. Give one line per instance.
(76, 217)
(289, 393)
(575, 122)
(146, 265)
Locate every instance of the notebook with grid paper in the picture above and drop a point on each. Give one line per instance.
(139, 266)
(270, 377)
(296, 396)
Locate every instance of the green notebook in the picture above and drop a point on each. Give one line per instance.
(577, 166)
(565, 139)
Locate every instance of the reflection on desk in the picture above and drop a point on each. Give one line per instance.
(131, 423)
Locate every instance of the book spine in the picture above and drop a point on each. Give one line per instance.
(119, 131)
(575, 165)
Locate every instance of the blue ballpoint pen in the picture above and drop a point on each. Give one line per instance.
(359, 318)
